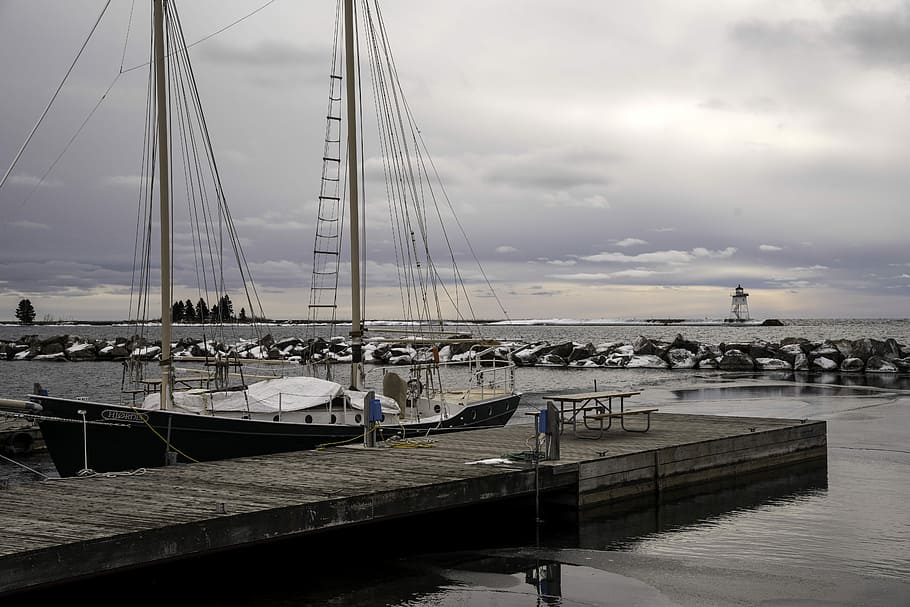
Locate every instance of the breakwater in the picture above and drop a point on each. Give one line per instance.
(865, 355)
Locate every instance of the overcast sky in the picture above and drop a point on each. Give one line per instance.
(609, 160)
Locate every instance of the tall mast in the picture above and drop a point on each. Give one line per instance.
(164, 191)
(353, 197)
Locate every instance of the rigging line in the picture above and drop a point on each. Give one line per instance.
(224, 211)
(399, 176)
(198, 141)
(69, 143)
(57, 92)
(212, 35)
(129, 27)
(90, 114)
(458, 222)
(407, 167)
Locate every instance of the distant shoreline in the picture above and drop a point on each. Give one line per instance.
(646, 322)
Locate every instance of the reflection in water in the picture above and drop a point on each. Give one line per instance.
(434, 560)
(785, 390)
(620, 526)
(546, 578)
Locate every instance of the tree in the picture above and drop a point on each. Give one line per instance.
(243, 317)
(226, 308)
(177, 312)
(202, 310)
(189, 312)
(25, 312)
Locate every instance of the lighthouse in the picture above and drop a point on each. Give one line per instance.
(739, 309)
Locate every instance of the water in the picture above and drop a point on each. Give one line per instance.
(835, 535)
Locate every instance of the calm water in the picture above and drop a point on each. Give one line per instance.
(835, 535)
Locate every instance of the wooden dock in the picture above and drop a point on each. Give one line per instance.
(19, 436)
(61, 530)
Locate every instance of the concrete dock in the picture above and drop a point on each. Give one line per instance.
(62, 530)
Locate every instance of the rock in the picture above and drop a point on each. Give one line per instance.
(563, 350)
(680, 343)
(681, 358)
(617, 359)
(643, 346)
(773, 364)
(762, 349)
(823, 363)
(552, 360)
(81, 351)
(580, 352)
(736, 360)
(852, 364)
(708, 363)
(826, 350)
(647, 361)
(804, 344)
(878, 364)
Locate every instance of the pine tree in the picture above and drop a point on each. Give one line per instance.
(226, 307)
(202, 310)
(189, 312)
(25, 313)
(243, 317)
(177, 312)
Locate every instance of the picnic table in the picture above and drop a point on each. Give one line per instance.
(595, 410)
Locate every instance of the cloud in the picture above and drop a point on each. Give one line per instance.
(565, 199)
(748, 126)
(672, 257)
(584, 276)
(561, 262)
(124, 180)
(29, 225)
(35, 182)
(878, 37)
(703, 252)
(630, 242)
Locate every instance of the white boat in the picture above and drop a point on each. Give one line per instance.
(218, 419)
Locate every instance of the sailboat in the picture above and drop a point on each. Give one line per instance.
(215, 420)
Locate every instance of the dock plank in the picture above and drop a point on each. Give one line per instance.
(127, 520)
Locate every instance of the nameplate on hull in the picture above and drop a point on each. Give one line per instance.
(124, 416)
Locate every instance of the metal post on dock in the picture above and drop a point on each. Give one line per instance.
(551, 415)
(369, 436)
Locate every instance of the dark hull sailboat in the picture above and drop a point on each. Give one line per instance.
(219, 421)
(85, 437)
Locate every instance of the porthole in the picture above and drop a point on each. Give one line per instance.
(334, 419)
(436, 409)
(308, 419)
(357, 418)
(276, 418)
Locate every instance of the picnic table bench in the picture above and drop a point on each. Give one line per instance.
(596, 410)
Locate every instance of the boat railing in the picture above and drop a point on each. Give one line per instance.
(487, 376)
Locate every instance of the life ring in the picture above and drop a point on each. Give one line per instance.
(415, 389)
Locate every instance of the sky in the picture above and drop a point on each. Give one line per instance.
(608, 160)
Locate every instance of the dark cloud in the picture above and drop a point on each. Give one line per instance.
(779, 132)
(877, 37)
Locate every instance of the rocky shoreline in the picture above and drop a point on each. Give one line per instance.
(789, 354)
